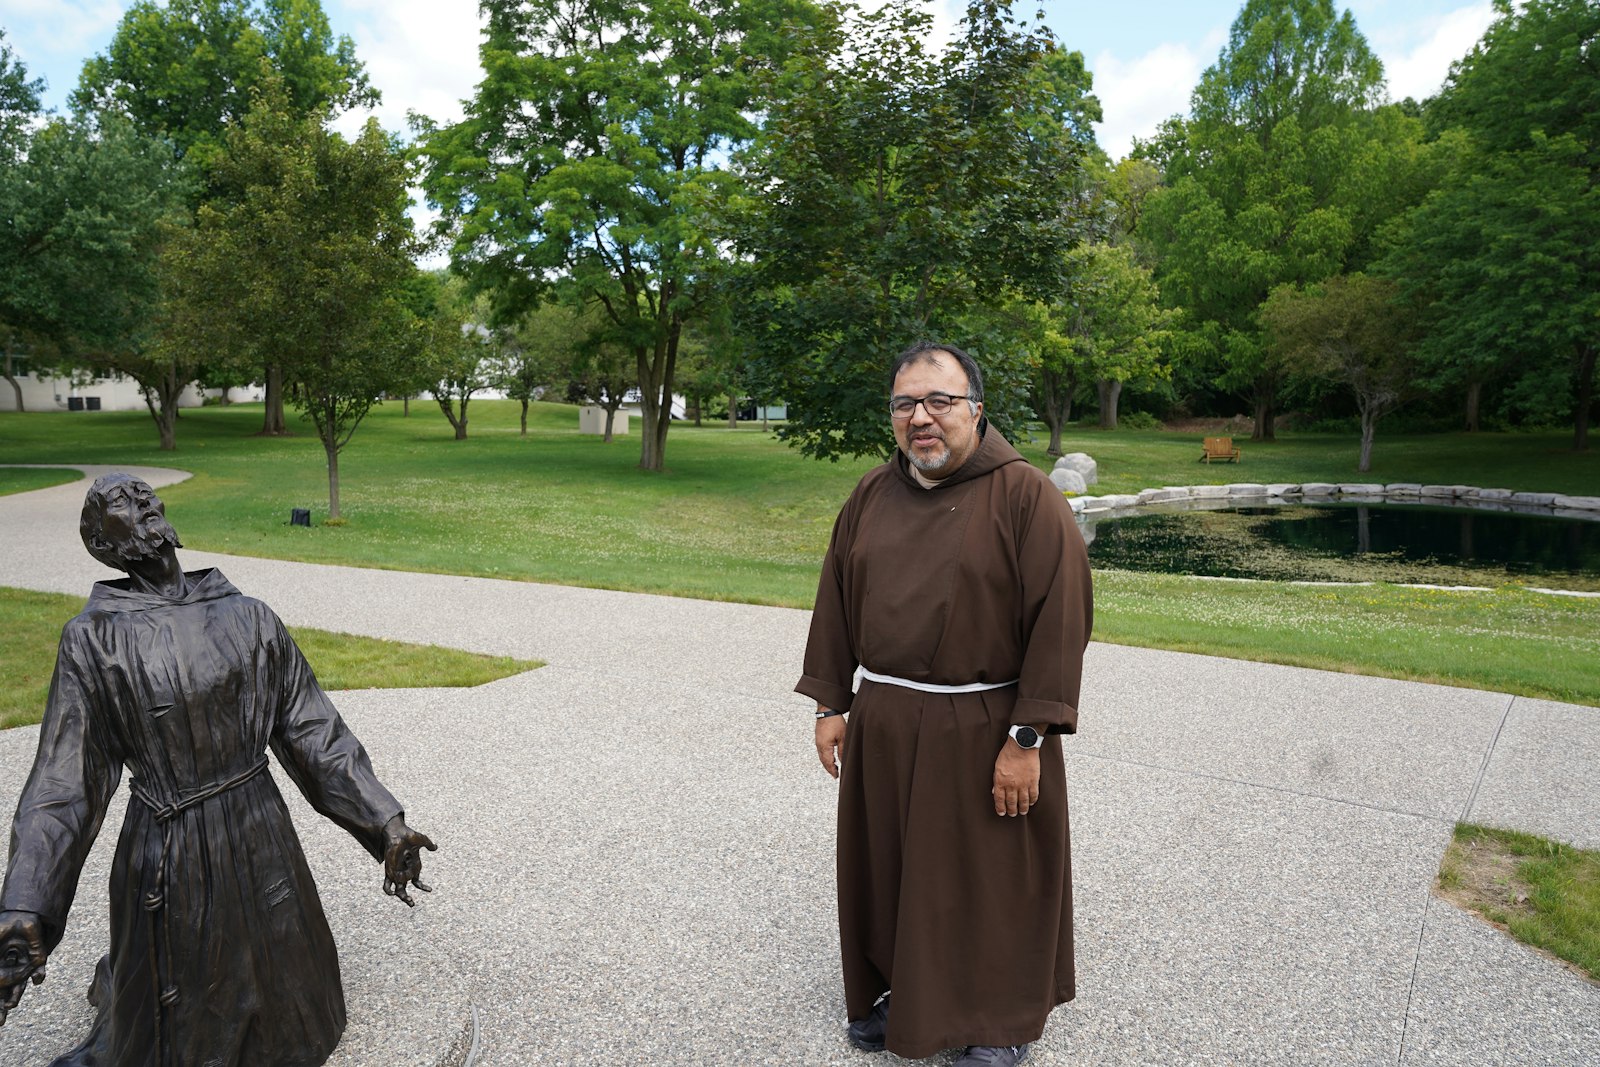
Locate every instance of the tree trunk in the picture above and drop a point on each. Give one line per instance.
(763, 415)
(1474, 396)
(611, 414)
(733, 412)
(1369, 425)
(9, 376)
(405, 407)
(656, 372)
(1056, 407)
(1363, 529)
(161, 399)
(272, 424)
(1263, 429)
(1586, 363)
(524, 417)
(693, 404)
(332, 449)
(1110, 390)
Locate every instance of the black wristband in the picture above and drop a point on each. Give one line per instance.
(827, 713)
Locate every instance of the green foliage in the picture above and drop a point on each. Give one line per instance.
(1501, 258)
(32, 623)
(896, 195)
(1280, 177)
(186, 69)
(19, 101)
(88, 206)
(307, 270)
(1353, 330)
(591, 157)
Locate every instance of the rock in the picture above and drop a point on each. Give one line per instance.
(1360, 489)
(1494, 494)
(1246, 489)
(1577, 503)
(1318, 489)
(1282, 489)
(1068, 480)
(1161, 496)
(1120, 500)
(1538, 500)
(1076, 503)
(1082, 463)
(1402, 489)
(1446, 491)
(1209, 492)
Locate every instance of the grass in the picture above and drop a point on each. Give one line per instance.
(738, 516)
(1510, 640)
(1542, 892)
(22, 479)
(32, 624)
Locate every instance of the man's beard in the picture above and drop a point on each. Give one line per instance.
(149, 539)
(931, 463)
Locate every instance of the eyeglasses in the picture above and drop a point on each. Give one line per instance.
(901, 407)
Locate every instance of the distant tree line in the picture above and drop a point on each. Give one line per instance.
(732, 200)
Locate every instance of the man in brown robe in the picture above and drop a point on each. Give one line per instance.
(951, 618)
(220, 953)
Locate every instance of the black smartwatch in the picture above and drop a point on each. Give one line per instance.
(1027, 737)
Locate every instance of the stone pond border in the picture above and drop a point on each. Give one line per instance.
(1242, 493)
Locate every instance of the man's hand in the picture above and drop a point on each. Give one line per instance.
(22, 957)
(1016, 779)
(402, 859)
(830, 743)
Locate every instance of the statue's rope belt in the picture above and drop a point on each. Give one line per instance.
(156, 900)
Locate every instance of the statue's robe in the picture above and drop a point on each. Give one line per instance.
(965, 915)
(220, 954)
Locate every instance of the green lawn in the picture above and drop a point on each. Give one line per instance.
(32, 624)
(21, 479)
(741, 517)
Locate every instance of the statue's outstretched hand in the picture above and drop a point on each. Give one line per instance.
(402, 859)
(22, 957)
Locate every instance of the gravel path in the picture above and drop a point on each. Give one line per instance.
(636, 843)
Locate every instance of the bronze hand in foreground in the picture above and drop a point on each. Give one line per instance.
(22, 957)
(402, 859)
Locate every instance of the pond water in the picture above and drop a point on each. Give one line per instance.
(1347, 542)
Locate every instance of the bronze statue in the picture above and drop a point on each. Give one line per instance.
(220, 954)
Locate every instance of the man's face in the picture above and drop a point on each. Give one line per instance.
(134, 521)
(937, 445)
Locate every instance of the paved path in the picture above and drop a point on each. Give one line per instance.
(636, 845)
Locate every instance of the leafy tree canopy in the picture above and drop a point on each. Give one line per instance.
(184, 69)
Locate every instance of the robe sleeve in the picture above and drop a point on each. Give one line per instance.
(319, 752)
(75, 772)
(1058, 611)
(830, 660)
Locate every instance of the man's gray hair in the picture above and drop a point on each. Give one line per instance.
(929, 352)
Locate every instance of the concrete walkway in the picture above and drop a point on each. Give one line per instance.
(636, 843)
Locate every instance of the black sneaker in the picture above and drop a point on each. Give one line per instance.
(993, 1056)
(867, 1034)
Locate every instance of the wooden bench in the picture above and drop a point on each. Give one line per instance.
(1219, 448)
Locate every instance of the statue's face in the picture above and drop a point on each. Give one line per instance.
(134, 521)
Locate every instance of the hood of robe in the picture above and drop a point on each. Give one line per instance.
(992, 453)
(117, 595)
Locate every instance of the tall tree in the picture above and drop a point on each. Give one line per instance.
(590, 154)
(897, 194)
(184, 70)
(1502, 258)
(308, 268)
(1258, 192)
(1351, 329)
(19, 109)
(87, 208)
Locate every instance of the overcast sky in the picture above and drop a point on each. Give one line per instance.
(1146, 55)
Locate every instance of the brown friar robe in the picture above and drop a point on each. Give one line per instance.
(965, 915)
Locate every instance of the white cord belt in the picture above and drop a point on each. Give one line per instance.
(926, 687)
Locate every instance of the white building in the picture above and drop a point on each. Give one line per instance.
(84, 393)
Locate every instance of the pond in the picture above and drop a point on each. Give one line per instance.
(1348, 542)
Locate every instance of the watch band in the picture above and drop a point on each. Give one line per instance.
(1038, 738)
